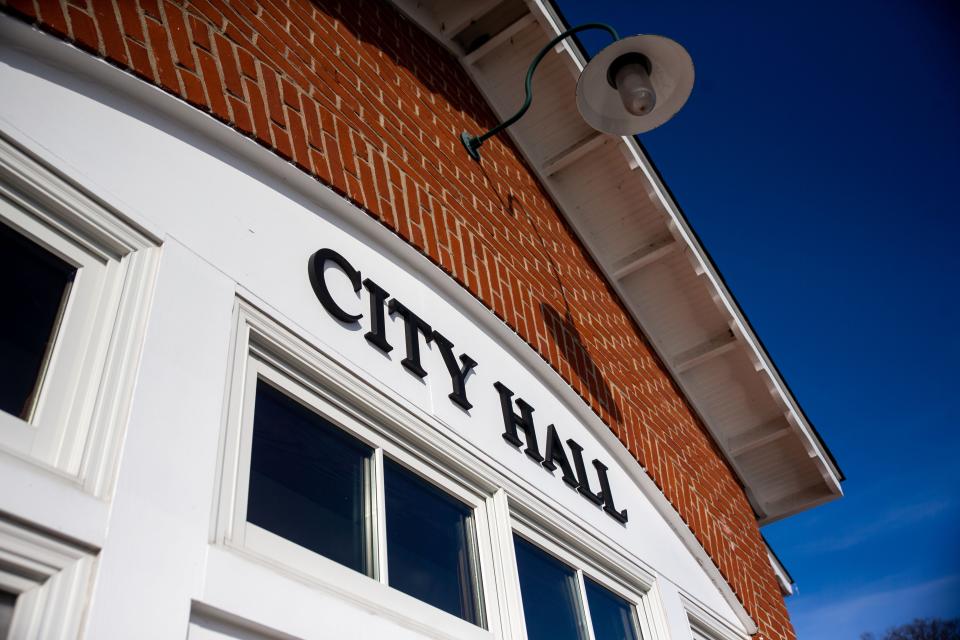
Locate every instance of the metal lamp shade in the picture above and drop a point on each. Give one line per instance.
(671, 75)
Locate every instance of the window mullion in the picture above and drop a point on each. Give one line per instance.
(378, 519)
(584, 606)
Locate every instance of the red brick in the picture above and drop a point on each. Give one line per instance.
(281, 142)
(289, 94)
(210, 76)
(228, 64)
(312, 119)
(158, 45)
(200, 33)
(150, 8)
(270, 86)
(193, 88)
(298, 137)
(241, 116)
(131, 21)
(177, 25)
(258, 110)
(83, 29)
(113, 44)
(140, 60)
(247, 64)
(52, 18)
(24, 8)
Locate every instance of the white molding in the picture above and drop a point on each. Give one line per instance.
(66, 206)
(85, 392)
(493, 43)
(468, 12)
(783, 578)
(574, 152)
(704, 352)
(51, 578)
(758, 436)
(658, 248)
(706, 625)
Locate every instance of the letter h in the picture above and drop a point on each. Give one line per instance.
(511, 421)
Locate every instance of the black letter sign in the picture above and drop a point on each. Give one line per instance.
(584, 485)
(377, 336)
(608, 506)
(511, 421)
(555, 455)
(315, 268)
(458, 374)
(412, 326)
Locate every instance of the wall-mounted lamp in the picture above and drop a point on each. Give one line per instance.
(632, 86)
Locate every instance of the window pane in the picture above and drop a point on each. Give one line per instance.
(551, 599)
(429, 543)
(33, 287)
(307, 480)
(7, 603)
(611, 615)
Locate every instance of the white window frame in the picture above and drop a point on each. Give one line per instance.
(75, 424)
(263, 349)
(588, 557)
(705, 625)
(50, 578)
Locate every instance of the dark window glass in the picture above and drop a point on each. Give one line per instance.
(429, 543)
(7, 603)
(551, 598)
(611, 615)
(33, 287)
(307, 480)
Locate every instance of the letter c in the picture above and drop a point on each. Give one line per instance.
(315, 268)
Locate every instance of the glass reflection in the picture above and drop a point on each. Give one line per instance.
(33, 286)
(551, 599)
(611, 615)
(307, 480)
(429, 544)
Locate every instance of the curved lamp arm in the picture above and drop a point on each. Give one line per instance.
(472, 143)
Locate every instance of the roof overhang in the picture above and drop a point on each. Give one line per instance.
(612, 195)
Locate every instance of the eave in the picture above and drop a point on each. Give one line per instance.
(615, 200)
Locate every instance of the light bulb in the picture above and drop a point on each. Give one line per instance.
(631, 78)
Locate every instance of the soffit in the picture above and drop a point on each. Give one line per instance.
(613, 197)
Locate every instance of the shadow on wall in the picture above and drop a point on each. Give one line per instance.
(430, 65)
(465, 99)
(571, 345)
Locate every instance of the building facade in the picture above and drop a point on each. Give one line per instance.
(294, 366)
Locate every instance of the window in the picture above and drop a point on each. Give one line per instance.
(313, 484)
(7, 603)
(611, 615)
(430, 543)
(34, 285)
(308, 480)
(558, 601)
(551, 595)
(321, 491)
(76, 281)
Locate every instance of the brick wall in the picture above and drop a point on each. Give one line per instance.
(357, 96)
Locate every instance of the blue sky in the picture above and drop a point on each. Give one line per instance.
(817, 158)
